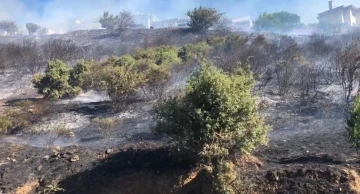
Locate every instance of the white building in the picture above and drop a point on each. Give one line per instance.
(346, 15)
(242, 24)
(171, 23)
(145, 20)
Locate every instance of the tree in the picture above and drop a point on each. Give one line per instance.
(108, 21)
(9, 27)
(216, 119)
(58, 49)
(203, 18)
(43, 31)
(32, 28)
(125, 20)
(277, 22)
(347, 66)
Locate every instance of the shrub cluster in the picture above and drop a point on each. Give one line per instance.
(59, 80)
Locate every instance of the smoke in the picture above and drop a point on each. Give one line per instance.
(64, 15)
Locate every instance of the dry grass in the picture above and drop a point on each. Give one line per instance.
(28, 188)
(248, 162)
(355, 181)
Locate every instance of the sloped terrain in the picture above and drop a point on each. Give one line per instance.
(308, 151)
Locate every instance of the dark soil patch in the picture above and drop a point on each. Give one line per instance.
(310, 159)
(107, 175)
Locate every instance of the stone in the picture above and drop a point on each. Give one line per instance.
(66, 156)
(47, 157)
(39, 168)
(71, 134)
(272, 176)
(108, 151)
(74, 158)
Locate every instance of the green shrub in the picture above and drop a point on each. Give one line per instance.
(120, 83)
(215, 41)
(55, 83)
(126, 60)
(77, 73)
(157, 77)
(216, 118)
(159, 55)
(191, 52)
(353, 124)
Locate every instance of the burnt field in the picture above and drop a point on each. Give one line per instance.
(90, 144)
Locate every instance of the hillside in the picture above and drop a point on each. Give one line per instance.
(308, 150)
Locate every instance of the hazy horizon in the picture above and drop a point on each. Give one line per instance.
(63, 15)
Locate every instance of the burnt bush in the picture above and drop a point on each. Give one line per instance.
(64, 50)
(26, 56)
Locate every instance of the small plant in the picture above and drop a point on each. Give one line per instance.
(105, 126)
(62, 130)
(51, 189)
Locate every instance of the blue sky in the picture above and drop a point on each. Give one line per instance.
(63, 15)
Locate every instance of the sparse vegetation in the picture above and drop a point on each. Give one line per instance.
(64, 50)
(62, 130)
(105, 126)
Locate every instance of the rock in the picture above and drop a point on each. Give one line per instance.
(66, 156)
(74, 158)
(108, 151)
(71, 134)
(31, 111)
(39, 168)
(47, 157)
(70, 152)
(272, 176)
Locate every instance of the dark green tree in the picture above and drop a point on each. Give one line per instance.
(8, 26)
(32, 28)
(108, 21)
(203, 18)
